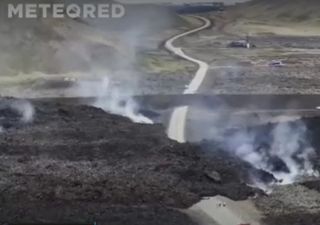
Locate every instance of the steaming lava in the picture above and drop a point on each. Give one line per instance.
(77, 163)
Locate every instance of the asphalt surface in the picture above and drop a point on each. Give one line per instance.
(176, 130)
(213, 211)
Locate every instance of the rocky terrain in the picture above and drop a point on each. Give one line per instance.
(63, 162)
(72, 163)
(75, 163)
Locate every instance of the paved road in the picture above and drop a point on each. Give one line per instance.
(217, 210)
(177, 124)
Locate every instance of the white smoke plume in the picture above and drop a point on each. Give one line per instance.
(288, 147)
(15, 112)
(25, 109)
(112, 99)
(281, 148)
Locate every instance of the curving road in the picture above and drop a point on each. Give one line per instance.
(217, 210)
(177, 124)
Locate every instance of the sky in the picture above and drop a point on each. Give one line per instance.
(180, 1)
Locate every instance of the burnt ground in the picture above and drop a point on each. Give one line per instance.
(294, 219)
(296, 204)
(241, 72)
(76, 163)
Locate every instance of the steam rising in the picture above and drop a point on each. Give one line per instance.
(25, 109)
(282, 149)
(14, 113)
(111, 98)
(285, 152)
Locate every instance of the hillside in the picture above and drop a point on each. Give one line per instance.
(280, 17)
(46, 49)
(65, 45)
(297, 11)
(113, 171)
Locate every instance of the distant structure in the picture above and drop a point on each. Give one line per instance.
(199, 7)
(242, 43)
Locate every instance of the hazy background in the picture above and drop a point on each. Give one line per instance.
(180, 1)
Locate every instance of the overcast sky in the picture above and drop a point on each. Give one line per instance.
(179, 1)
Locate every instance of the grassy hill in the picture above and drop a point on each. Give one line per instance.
(297, 11)
(65, 45)
(283, 17)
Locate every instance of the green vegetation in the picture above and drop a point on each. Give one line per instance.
(300, 11)
(163, 65)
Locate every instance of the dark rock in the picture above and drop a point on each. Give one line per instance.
(75, 163)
